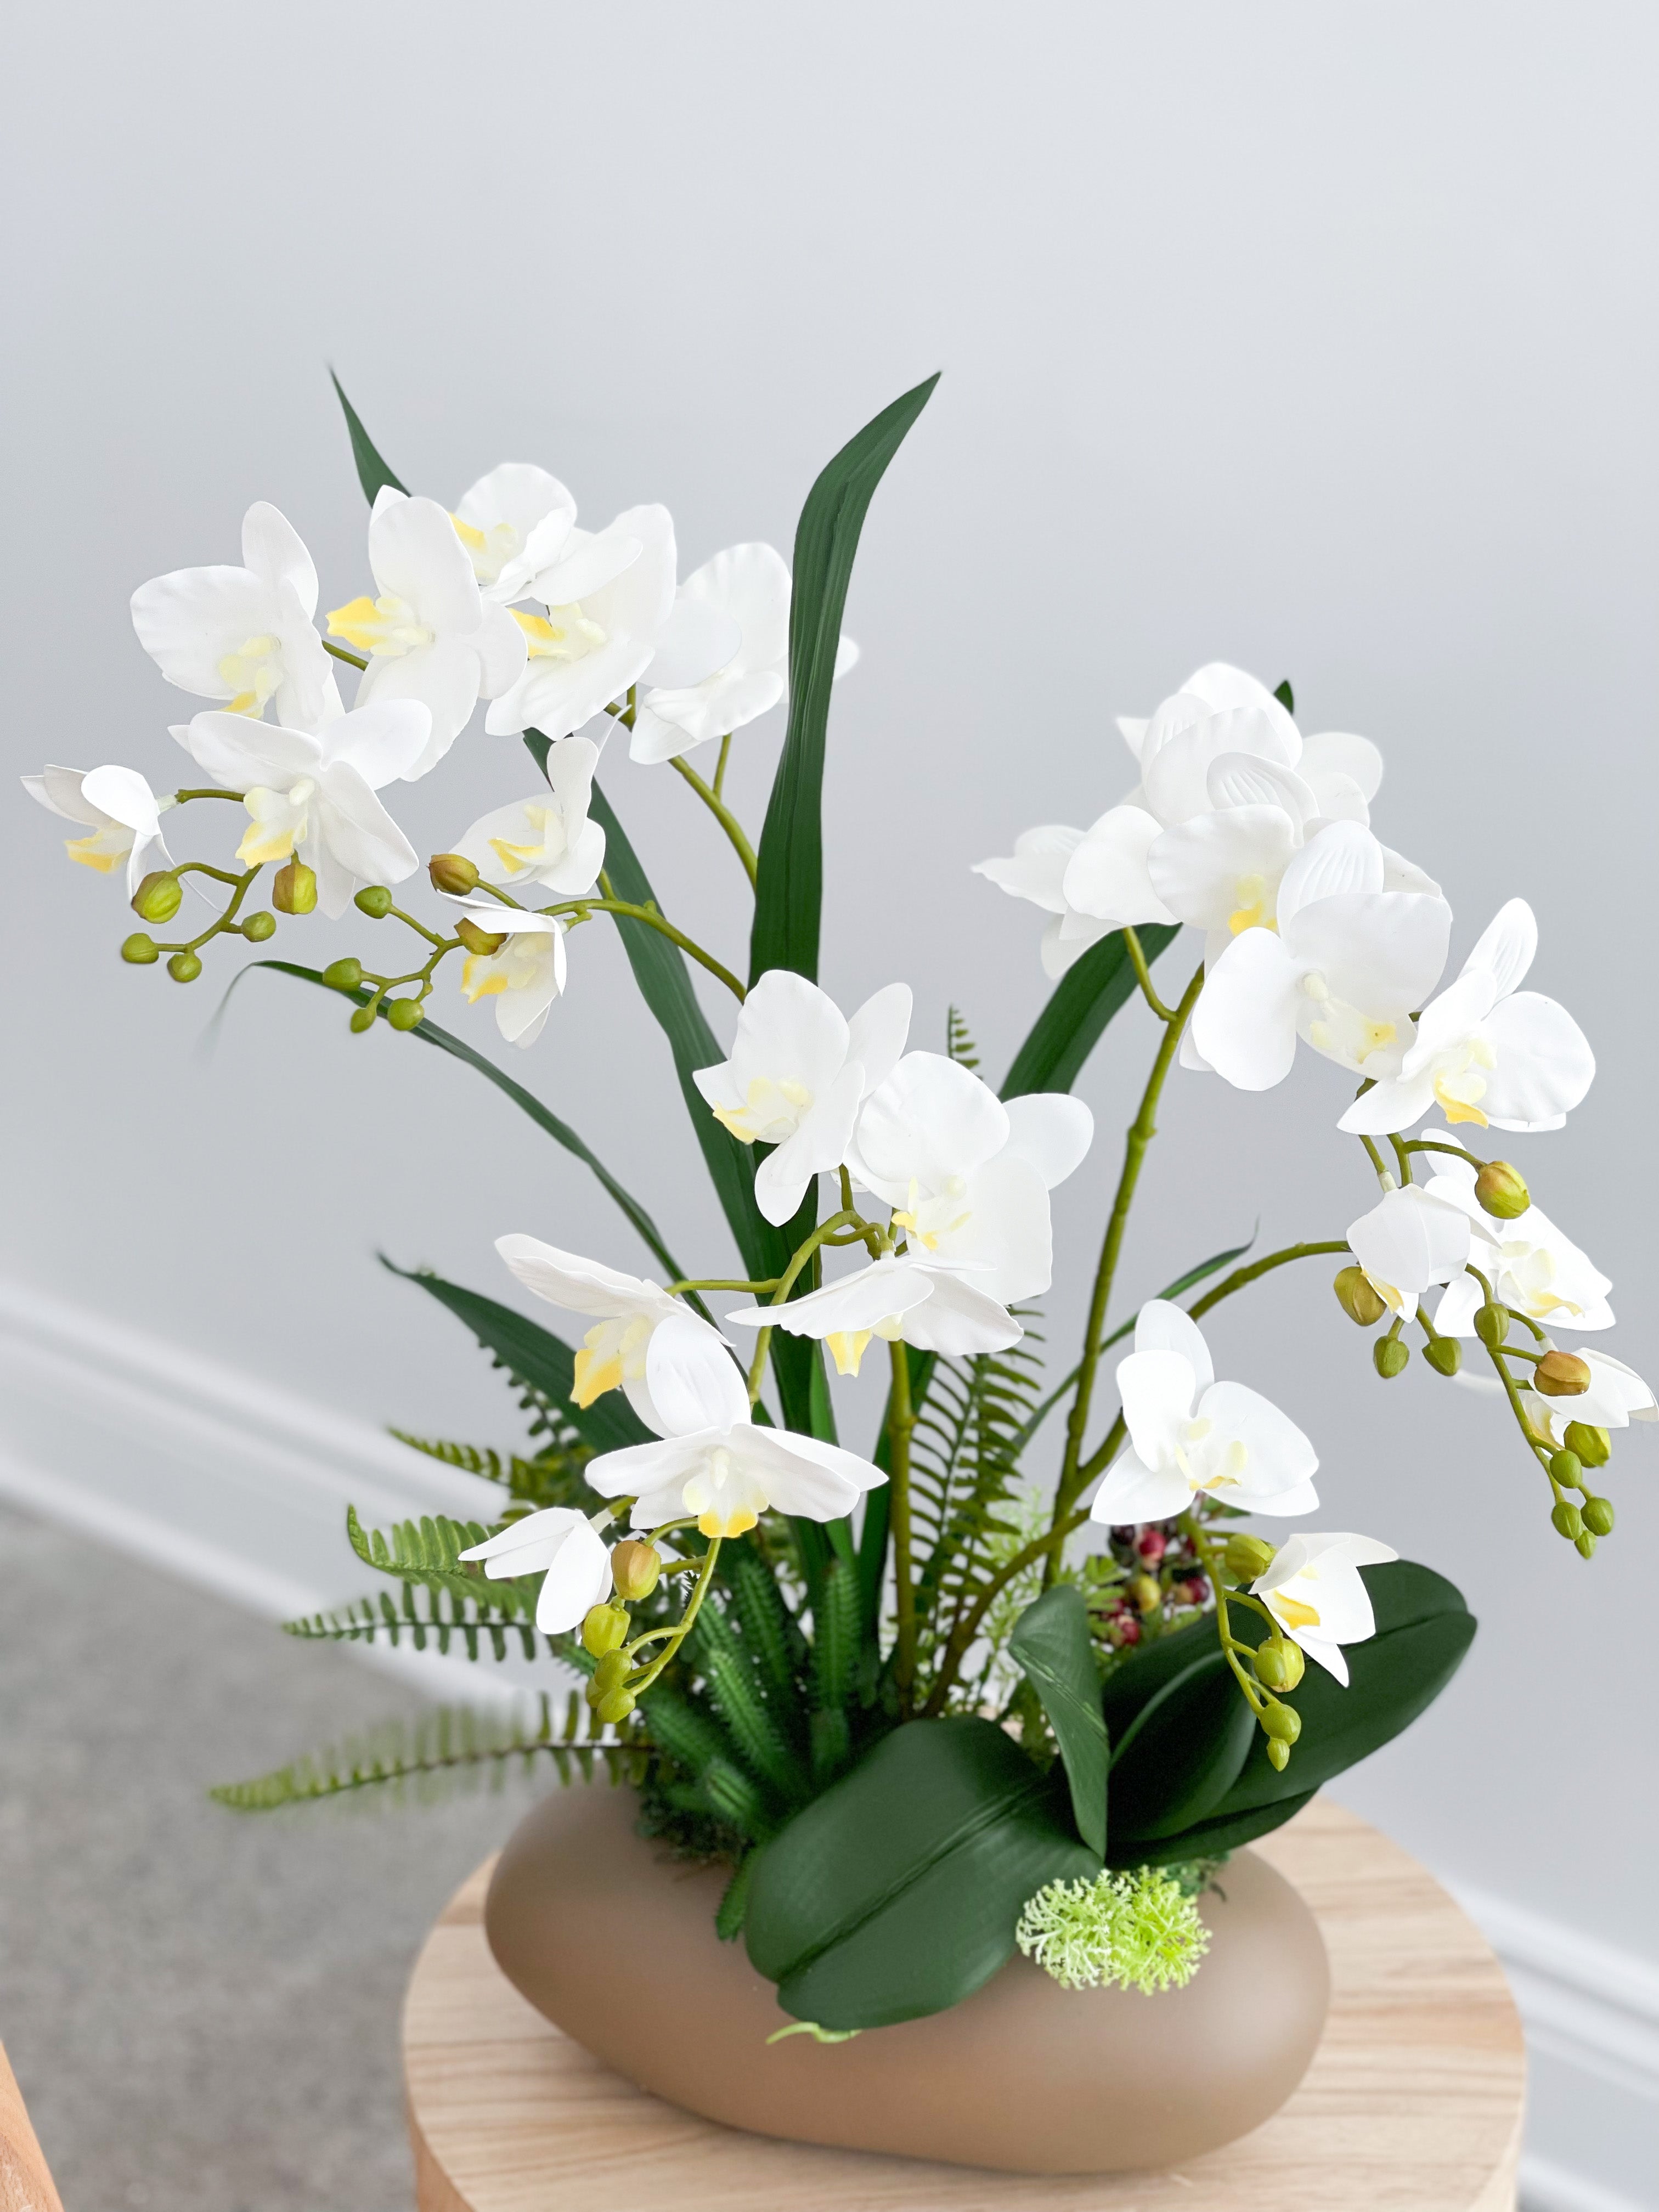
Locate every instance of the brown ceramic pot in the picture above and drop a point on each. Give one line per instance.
(613, 1940)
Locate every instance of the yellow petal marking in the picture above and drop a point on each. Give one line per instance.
(1292, 1611)
(846, 1347)
(90, 852)
(594, 1376)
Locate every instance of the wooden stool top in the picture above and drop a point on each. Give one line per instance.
(1413, 2102)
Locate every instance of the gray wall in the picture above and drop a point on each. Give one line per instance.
(1319, 340)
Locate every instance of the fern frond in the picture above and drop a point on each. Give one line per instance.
(554, 1477)
(437, 1617)
(453, 1742)
(958, 1043)
(428, 1551)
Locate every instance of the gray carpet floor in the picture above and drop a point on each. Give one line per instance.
(202, 2007)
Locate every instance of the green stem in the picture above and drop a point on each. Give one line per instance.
(786, 1284)
(203, 868)
(352, 659)
(1240, 1276)
(1433, 1144)
(1193, 1529)
(211, 791)
(719, 784)
(1404, 1158)
(1141, 1132)
(713, 1283)
(967, 1624)
(901, 1422)
(1144, 976)
(1376, 1158)
(683, 1628)
(722, 814)
(580, 908)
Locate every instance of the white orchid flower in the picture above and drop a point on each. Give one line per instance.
(314, 796)
(715, 1463)
(1409, 1242)
(609, 596)
(429, 635)
(969, 1176)
(564, 1548)
(1314, 1591)
(1617, 1396)
(547, 839)
(723, 658)
(524, 976)
(622, 1351)
(899, 1299)
(513, 522)
(245, 636)
(1191, 1436)
(1035, 870)
(1345, 966)
(1485, 1052)
(1532, 1265)
(118, 807)
(797, 1071)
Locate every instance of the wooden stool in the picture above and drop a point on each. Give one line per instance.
(1413, 2104)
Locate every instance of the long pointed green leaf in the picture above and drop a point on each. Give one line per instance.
(1084, 1000)
(372, 471)
(789, 885)
(544, 1116)
(535, 1356)
(1051, 1643)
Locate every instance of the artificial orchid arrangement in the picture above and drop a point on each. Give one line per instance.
(924, 1706)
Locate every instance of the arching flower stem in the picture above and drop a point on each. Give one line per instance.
(721, 813)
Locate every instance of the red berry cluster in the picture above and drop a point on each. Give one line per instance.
(1158, 1579)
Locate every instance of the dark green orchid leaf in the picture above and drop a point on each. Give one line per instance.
(789, 881)
(372, 471)
(1285, 696)
(1084, 1000)
(1051, 1642)
(897, 1893)
(533, 1356)
(1180, 1755)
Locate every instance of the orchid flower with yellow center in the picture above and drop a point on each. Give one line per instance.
(1410, 1242)
(546, 839)
(1314, 1591)
(898, 1298)
(563, 1547)
(1192, 1437)
(1533, 1266)
(513, 523)
(523, 974)
(118, 810)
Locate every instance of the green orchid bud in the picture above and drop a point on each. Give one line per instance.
(140, 950)
(1282, 1723)
(1390, 1356)
(344, 974)
(604, 1627)
(1598, 1515)
(1279, 1755)
(614, 1706)
(1502, 1191)
(1492, 1325)
(1278, 1663)
(1247, 1557)
(1566, 1469)
(635, 1568)
(452, 873)
(259, 927)
(1562, 1374)
(362, 1021)
(1444, 1354)
(405, 1014)
(294, 889)
(1585, 1544)
(159, 897)
(1567, 1520)
(374, 900)
(482, 941)
(1146, 1591)
(1357, 1298)
(1594, 1446)
(611, 1672)
(184, 967)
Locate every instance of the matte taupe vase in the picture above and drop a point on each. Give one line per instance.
(613, 1940)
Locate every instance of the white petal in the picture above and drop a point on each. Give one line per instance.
(1108, 875)
(578, 1579)
(1505, 948)
(1133, 1491)
(1380, 952)
(1410, 1241)
(1245, 779)
(932, 1119)
(581, 1286)
(1157, 1390)
(358, 831)
(1463, 1299)
(1195, 867)
(527, 1547)
(1163, 1326)
(238, 753)
(58, 790)
(1343, 857)
(416, 556)
(1036, 869)
(189, 621)
(442, 677)
(502, 651)
(692, 1378)
(1007, 1237)
(788, 1031)
(959, 1319)
(697, 638)
(276, 553)
(1050, 1131)
(382, 742)
(1336, 753)
(876, 1034)
(819, 1144)
(588, 561)
(1244, 1023)
(1280, 1456)
(1545, 1064)
(124, 795)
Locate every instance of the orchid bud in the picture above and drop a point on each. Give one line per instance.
(609, 1674)
(604, 1627)
(1594, 1446)
(1567, 1520)
(1357, 1298)
(362, 1021)
(1390, 1356)
(1247, 1557)
(635, 1568)
(294, 889)
(1502, 1191)
(141, 949)
(1492, 1325)
(1278, 1663)
(158, 898)
(1279, 1755)
(184, 967)
(1598, 1515)
(1282, 1723)
(1444, 1354)
(374, 900)
(616, 1705)
(1146, 1591)
(1585, 1544)
(452, 873)
(405, 1014)
(1562, 1374)
(259, 927)
(344, 974)
(1566, 1468)
(482, 941)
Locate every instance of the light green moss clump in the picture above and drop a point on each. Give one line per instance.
(1133, 1931)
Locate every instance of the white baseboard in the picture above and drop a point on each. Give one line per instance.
(241, 1489)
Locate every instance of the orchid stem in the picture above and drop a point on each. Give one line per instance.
(682, 1628)
(580, 908)
(352, 659)
(1240, 1276)
(722, 814)
(719, 784)
(786, 1284)
(1144, 977)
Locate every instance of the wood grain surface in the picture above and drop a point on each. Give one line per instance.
(1413, 2104)
(25, 2185)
